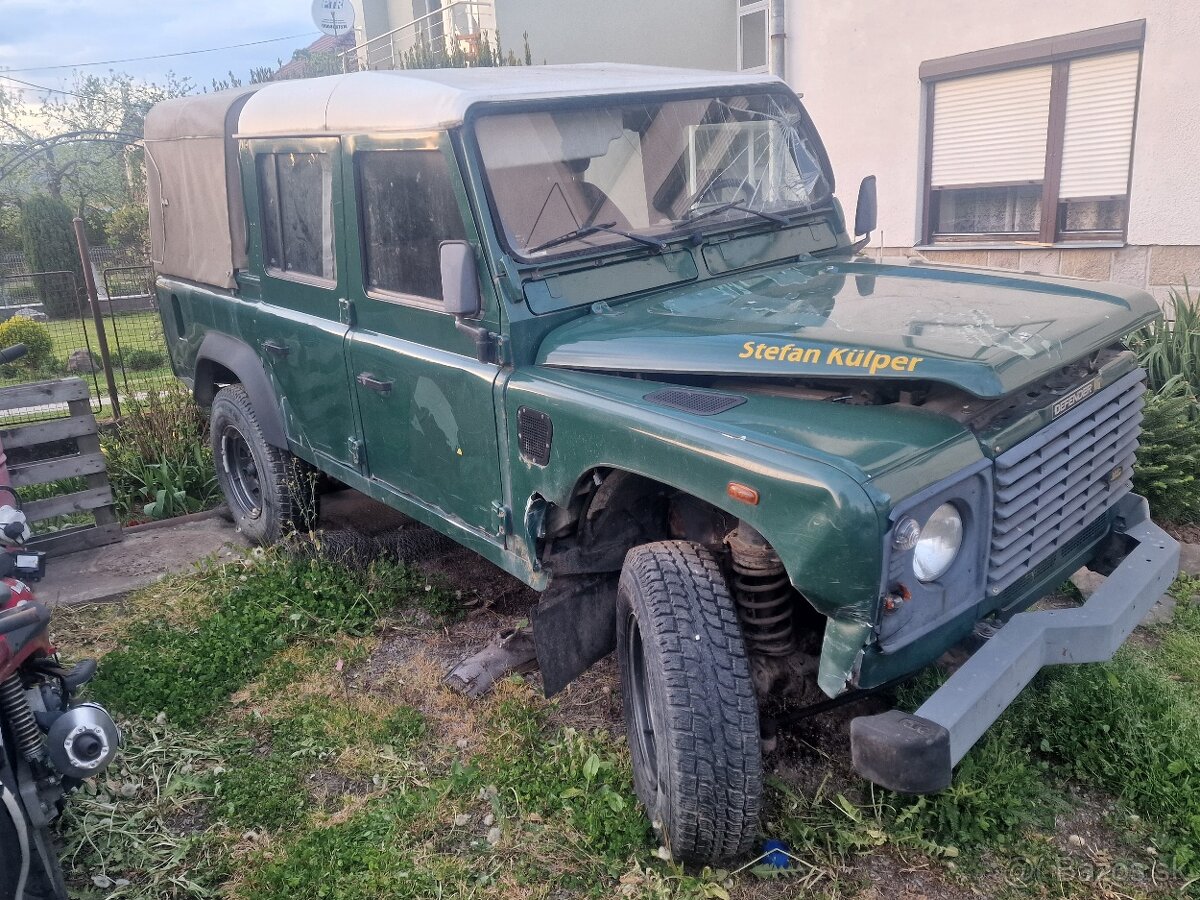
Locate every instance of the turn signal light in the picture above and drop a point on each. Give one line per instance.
(743, 493)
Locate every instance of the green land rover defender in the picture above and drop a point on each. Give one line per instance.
(606, 326)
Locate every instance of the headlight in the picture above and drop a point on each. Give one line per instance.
(941, 536)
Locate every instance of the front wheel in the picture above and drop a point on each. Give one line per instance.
(22, 876)
(690, 707)
(270, 492)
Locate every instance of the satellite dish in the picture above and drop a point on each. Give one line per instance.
(333, 17)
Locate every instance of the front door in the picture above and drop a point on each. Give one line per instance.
(300, 330)
(426, 405)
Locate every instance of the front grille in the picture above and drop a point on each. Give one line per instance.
(1052, 486)
(1035, 576)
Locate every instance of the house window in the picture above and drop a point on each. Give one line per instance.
(408, 209)
(753, 35)
(1037, 147)
(295, 192)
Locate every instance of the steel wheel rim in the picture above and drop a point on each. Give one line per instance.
(642, 728)
(239, 464)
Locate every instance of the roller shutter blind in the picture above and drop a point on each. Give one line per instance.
(991, 129)
(1098, 136)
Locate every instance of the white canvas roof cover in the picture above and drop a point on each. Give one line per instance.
(434, 99)
(197, 219)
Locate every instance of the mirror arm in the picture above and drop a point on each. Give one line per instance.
(485, 341)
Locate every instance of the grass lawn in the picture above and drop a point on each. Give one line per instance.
(126, 332)
(288, 735)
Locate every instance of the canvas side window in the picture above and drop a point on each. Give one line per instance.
(296, 206)
(408, 209)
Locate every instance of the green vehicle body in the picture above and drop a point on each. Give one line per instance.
(585, 338)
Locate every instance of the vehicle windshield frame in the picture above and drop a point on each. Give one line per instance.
(682, 229)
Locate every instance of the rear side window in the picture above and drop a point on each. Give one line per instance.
(296, 204)
(408, 209)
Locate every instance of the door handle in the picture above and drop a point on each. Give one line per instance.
(277, 350)
(370, 382)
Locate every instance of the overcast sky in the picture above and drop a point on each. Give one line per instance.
(39, 33)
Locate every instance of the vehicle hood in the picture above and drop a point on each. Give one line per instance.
(985, 331)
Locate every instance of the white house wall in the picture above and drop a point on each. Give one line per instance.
(857, 66)
(697, 34)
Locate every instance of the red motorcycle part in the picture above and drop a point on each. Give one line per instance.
(24, 627)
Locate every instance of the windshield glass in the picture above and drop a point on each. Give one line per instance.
(567, 180)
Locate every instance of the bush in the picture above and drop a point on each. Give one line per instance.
(159, 461)
(143, 360)
(48, 239)
(129, 227)
(36, 338)
(1168, 459)
(1170, 347)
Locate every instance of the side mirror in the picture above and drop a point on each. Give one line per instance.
(866, 214)
(460, 280)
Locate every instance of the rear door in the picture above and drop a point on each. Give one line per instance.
(296, 215)
(426, 404)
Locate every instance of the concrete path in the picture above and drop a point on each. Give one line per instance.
(146, 554)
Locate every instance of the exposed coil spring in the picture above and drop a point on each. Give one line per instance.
(16, 709)
(763, 594)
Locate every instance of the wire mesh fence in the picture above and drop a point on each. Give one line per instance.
(50, 314)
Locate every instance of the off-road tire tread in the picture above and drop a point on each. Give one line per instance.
(713, 740)
(285, 511)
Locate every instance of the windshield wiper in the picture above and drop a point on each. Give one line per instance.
(689, 217)
(608, 227)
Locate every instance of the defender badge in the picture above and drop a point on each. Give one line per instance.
(1074, 398)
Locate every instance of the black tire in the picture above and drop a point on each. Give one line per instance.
(38, 886)
(690, 708)
(270, 492)
(10, 856)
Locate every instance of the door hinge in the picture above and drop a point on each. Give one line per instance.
(357, 455)
(503, 517)
(346, 311)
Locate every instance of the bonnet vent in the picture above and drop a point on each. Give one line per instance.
(699, 403)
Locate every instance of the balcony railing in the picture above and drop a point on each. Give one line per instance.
(459, 29)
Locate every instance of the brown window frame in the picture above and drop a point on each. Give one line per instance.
(1057, 51)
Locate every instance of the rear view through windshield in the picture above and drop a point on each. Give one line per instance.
(563, 181)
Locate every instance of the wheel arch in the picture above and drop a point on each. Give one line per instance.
(222, 359)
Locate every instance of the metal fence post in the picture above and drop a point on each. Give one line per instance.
(89, 279)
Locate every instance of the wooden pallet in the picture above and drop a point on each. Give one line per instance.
(79, 427)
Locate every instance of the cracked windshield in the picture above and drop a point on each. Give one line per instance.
(569, 180)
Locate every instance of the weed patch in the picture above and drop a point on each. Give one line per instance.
(264, 792)
(1130, 729)
(584, 780)
(251, 612)
(142, 831)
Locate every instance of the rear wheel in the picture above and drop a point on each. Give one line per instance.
(269, 491)
(690, 707)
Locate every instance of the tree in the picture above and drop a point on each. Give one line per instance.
(129, 228)
(10, 227)
(93, 174)
(48, 240)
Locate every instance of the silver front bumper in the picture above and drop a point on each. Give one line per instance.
(916, 753)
